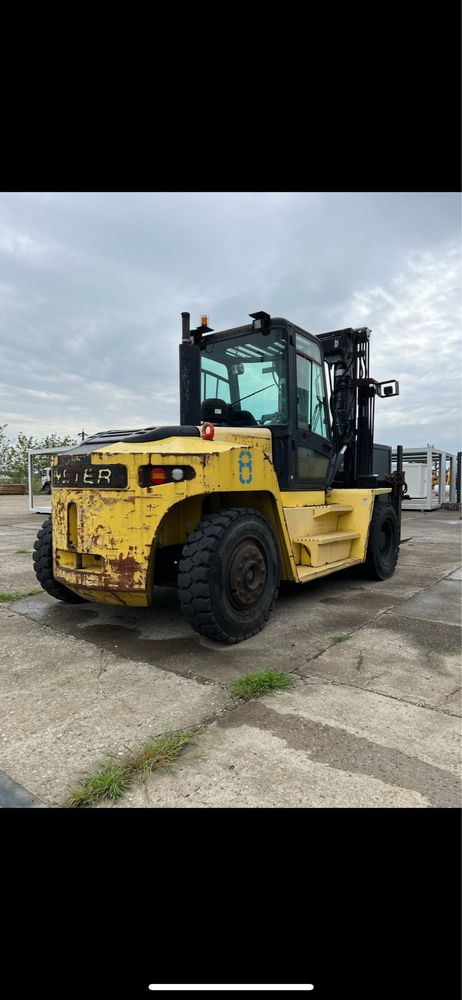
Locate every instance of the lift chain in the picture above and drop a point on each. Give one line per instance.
(397, 482)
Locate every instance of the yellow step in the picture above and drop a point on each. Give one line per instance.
(306, 573)
(317, 550)
(332, 508)
(331, 536)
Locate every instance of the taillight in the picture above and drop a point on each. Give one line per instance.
(158, 475)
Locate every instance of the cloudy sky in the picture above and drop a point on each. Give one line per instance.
(92, 286)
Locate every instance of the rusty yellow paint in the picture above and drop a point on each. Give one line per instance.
(105, 542)
(124, 527)
(128, 598)
(64, 558)
(72, 525)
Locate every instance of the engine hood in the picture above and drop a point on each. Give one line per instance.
(168, 440)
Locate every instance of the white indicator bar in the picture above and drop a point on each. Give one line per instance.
(234, 986)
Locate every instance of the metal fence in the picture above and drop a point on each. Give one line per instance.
(430, 458)
(40, 508)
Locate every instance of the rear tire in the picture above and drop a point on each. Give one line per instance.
(383, 545)
(43, 566)
(229, 575)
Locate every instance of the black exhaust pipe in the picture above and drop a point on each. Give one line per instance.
(190, 376)
(186, 328)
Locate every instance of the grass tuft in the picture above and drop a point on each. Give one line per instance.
(339, 638)
(265, 682)
(23, 552)
(116, 774)
(16, 596)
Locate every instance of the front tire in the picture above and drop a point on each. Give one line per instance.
(229, 575)
(383, 545)
(43, 566)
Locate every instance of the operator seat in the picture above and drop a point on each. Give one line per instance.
(218, 412)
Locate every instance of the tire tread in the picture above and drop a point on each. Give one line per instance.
(193, 572)
(371, 568)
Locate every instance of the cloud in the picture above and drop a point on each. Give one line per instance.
(416, 339)
(92, 287)
(26, 248)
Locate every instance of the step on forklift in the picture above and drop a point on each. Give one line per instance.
(268, 477)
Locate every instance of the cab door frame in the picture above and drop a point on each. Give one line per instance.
(304, 437)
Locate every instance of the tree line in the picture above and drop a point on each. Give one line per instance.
(13, 454)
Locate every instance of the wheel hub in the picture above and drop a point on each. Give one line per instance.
(247, 575)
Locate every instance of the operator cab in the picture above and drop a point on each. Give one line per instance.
(269, 373)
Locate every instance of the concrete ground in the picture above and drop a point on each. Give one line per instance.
(371, 721)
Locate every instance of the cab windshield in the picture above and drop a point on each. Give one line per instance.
(249, 373)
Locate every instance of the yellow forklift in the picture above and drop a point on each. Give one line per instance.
(267, 477)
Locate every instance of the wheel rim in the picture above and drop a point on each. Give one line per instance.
(247, 575)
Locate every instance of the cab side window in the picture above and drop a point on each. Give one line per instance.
(319, 423)
(311, 404)
(304, 367)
